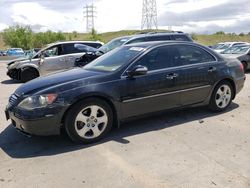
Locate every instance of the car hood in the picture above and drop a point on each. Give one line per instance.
(17, 60)
(60, 79)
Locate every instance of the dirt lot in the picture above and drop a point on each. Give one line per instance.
(188, 148)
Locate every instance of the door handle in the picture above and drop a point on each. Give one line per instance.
(62, 59)
(212, 69)
(172, 76)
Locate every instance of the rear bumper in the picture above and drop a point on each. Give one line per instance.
(240, 84)
(41, 127)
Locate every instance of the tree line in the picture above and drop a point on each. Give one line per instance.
(23, 37)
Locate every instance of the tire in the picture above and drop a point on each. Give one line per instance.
(222, 97)
(88, 121)
(28, 74)
(244, 66)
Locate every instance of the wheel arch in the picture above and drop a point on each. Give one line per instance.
(94, 96)
(231, 81)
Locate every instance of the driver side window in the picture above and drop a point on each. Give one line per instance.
(53, 51)
(159, 58)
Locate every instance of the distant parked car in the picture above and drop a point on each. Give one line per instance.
(130, 81)
(220, 47)
(1, 52)
(241, 52)
(15, 52)
(148, 37)
(56, 57)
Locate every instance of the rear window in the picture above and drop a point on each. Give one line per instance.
(180, 38)
(159, 38)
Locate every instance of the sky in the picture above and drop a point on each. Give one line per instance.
(198, 16)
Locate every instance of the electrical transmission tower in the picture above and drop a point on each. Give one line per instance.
(149, 15)
(89, 14)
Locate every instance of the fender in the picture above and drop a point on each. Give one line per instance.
(109, 99)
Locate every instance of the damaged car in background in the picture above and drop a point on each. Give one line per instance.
(55, 57)
(132, 39)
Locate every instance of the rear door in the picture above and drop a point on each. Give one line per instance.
(155, 91)
(72, 51)
(197, 74)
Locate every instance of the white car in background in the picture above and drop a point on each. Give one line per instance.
(220, 47)
(56, 57)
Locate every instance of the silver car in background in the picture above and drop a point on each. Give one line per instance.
(55, 57)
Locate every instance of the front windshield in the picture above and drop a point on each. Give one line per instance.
(37, 55)
(237, 50)
(113, 44)
(223, 47)
(114, 59)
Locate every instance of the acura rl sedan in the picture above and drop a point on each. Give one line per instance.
(129, 81)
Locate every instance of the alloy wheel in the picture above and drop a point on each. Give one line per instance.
(223, 96)
(91, 122)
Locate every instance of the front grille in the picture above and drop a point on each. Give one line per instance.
(13, 100)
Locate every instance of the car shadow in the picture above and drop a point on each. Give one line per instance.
(8, 82)
(17, 145)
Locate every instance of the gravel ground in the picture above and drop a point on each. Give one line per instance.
(189, 148)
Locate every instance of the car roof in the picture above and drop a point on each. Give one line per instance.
(158, 34)
(69, 42)
(156, 43)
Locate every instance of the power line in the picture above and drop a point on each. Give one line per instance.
(149, 15)
(90, 14)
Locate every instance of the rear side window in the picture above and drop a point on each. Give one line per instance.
(136, 41)
(92, 44)
(73, 48)
(193, 55)
(158, 38)
(180, 38)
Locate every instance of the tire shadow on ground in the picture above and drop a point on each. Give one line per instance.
(10, 81)
(17, 145)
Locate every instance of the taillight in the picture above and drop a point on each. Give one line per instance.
(242, 67)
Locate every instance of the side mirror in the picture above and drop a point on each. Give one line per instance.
(137, 71)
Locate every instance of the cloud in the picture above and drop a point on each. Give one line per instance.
(3, 26)
(217, 16)
(186, 15)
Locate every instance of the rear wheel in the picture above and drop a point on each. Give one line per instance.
(221, 97)
(28, 74)
(88, 121)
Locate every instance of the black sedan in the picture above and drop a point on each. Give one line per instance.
(130, 81)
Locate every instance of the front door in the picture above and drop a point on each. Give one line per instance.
(155, 91)
(54, 61)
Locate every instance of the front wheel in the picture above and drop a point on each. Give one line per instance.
(88, 121)
(28, 74)
(221, 97)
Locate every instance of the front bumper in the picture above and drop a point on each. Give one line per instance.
(45, 126)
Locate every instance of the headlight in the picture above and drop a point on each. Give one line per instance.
(39, 101)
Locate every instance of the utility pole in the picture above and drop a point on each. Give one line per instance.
(149, 15)
(89, 14)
